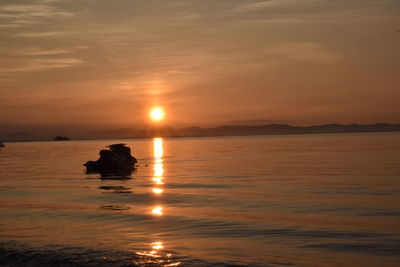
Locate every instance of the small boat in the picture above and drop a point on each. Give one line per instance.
(117, 160)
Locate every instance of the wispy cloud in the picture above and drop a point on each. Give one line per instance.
(18, 15)
(9, 26)
(31, 59)
(42, 52)
(39, 64)
(25, 8)
(269, 4)
(186, 16)
(338, 17)
(49, 1)
(15, 23)
(302, 51)
(38, 10)
(43, 34)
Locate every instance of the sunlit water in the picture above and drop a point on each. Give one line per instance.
(302, 200)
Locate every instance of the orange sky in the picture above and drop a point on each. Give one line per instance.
(206, 62)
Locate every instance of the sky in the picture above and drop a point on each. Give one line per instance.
(206, 62)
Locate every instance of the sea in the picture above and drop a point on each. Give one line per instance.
(282, 200)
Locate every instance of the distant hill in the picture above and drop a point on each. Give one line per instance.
(19, 136)
(238, 130)
(195, 131)
(284, 129)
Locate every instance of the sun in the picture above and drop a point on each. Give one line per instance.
(157, 114)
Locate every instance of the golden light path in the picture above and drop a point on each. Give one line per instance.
(157, 245)
(158, 175)
(158, 190)
(157, 114)
(155, 256)
(157, 211)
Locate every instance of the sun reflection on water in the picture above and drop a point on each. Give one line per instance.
(158, 191)
(158, 168)
(156, 256)
(158, 173)
(157, 211)
(158, 180)
(157, 245)
(158, 148)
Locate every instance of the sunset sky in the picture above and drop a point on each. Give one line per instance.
(206, 62)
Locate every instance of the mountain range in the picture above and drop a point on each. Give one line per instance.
(225, 130)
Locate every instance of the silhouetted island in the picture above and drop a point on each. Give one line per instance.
(61, 138)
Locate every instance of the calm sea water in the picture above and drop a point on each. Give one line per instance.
(301, 200)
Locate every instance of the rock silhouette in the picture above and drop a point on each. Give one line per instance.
(115, 161)
(61, 138)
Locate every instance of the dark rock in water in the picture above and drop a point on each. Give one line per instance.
(61, 138)
(115, 161)
(2, 144)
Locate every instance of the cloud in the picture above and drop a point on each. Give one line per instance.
(31, 59)
(15, 23)
(43, 34)
(38, 10)
(49, 1)
(39, 64)
(269, 4)
(9, 25)
(40, 52)
(18, 15)
(328, 17)
(187, 17)
(303, 51)
(24, 8)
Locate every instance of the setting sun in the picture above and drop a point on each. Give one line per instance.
(157, 114)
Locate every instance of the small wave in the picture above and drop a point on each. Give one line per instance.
(16, 254)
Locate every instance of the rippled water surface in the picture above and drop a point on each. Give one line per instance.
(302, 200)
